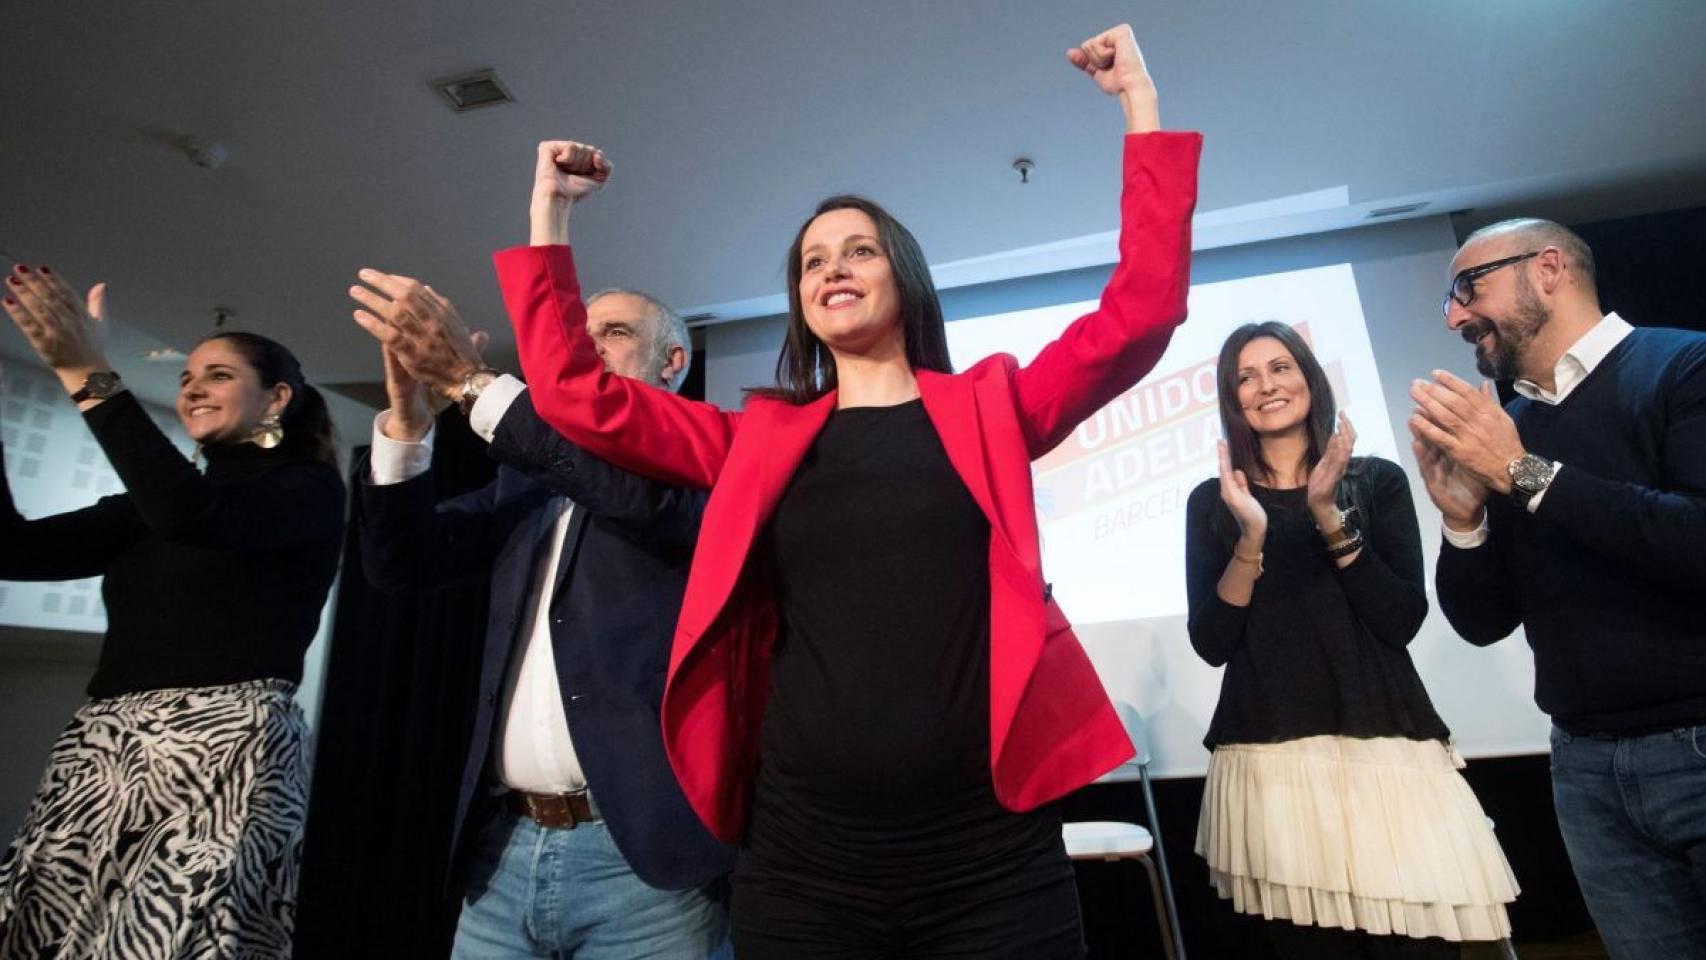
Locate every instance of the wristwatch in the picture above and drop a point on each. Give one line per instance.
(98, 386)
(472, 385)
(1530, 475)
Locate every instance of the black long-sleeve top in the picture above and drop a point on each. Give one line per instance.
(1606, 577)
(209, 579)
(1319, 650)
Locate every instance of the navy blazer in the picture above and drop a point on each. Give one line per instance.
(616, 598)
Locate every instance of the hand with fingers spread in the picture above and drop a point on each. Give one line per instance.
(1461, 498)
(67, 332)
(564, 172)
(1246, 509)
(1323, 486)
(1469, 426)
(420, 329)
(1113, 60)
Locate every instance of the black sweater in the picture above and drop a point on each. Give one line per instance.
(209, 579)
(1607, 576)
(1319, 650)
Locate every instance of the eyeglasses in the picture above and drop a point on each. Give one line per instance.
(1463, 285)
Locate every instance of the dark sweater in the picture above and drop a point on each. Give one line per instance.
(1319, 650)
(1607, 576)
(209, 579)
(874, 768)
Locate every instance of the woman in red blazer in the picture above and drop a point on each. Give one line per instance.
(870, 687)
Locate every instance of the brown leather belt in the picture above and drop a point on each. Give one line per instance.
(564, 811)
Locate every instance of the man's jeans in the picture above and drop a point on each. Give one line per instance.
(1633, 814)
(541, 892)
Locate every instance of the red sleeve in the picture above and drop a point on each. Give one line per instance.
(638, 427)
(1106, 351)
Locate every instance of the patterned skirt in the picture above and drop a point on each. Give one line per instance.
(1381, 835)
(168, 824)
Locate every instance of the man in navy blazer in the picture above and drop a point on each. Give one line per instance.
(573, 833)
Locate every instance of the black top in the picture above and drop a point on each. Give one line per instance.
(209, 579)
(874, 763)
(1319, 650)
(1607, 576)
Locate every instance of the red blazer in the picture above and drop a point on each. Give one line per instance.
(1051, 727)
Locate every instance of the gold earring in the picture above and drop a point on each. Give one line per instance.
(271, 432)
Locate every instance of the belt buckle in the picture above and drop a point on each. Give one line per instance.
(557, 811)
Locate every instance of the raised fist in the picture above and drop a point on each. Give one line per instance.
(568, 171)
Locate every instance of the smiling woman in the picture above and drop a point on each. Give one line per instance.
(1333, 806)
(192, 740)
(871, 688)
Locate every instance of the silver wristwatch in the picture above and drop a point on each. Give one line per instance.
(1530, 475)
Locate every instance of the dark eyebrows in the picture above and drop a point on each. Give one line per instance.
(207, 369)
(855, 237)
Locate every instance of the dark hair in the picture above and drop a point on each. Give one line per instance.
(805, 370)
(1242, 447)
(306, 422)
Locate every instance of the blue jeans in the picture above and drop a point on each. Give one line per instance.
(1633, 814)
(541, 892)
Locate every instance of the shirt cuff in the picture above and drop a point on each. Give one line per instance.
(1470, 539)
(1534, 501)
(394, 461)
(493, 403)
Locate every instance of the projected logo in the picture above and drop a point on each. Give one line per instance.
(1111, 497)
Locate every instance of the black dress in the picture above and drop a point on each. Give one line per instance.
(874, 828)
(169, 820)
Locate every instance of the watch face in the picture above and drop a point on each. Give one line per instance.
(1531, 473)
(101, 384)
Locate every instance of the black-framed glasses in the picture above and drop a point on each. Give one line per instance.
(1463, 285)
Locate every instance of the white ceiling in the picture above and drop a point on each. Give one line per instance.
(726, 122)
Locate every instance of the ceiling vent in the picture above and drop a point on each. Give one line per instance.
(471, 91)
(1401, 208)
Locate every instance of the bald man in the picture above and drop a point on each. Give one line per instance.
(1579, 513)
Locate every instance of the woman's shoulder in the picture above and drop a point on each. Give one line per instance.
(1376, 470)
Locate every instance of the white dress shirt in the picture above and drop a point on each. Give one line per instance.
(537, 754)
(1572, 368)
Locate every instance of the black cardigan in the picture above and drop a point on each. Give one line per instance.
(1319, 650)
(210, 579)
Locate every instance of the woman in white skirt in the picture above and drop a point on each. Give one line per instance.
(169, 821)
(1333, 808)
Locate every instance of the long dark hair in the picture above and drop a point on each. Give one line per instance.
(1242, 446)
(805, 369)
(306, 422)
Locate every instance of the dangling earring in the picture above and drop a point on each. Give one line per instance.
(271, 432)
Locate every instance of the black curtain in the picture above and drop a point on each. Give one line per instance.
(400, 688)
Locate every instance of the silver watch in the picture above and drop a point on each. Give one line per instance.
(1530, 475)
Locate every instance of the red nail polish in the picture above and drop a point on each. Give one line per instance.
(23, 269)
(10, 302)
(45, 271)
(14, 281)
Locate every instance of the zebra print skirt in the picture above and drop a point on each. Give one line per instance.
(168, 824)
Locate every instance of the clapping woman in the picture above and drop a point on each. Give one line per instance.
(1333, 806)
(169, 820)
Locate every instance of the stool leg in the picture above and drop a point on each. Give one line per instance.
(1160, 907)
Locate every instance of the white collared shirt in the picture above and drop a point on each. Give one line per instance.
(1572, 368)
(536, 754)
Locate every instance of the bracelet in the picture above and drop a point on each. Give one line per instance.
(1345, 547)
(1257, 560)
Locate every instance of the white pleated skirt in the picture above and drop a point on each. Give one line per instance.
(1382, 835)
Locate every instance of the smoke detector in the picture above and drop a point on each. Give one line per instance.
(471, 91)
